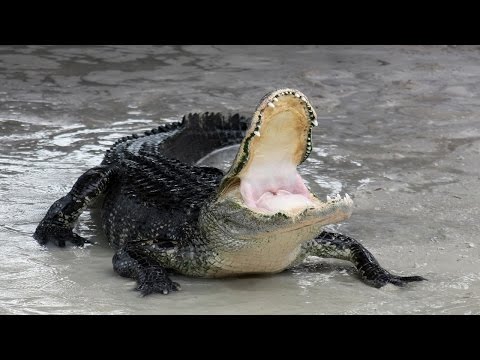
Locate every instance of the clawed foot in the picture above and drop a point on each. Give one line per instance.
(387, 278)
(59, 236)
(155, 280)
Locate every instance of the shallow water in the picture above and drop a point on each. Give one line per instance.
(399, 131)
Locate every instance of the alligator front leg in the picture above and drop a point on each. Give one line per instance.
(133, 261)
(58, 223)
(338, 246)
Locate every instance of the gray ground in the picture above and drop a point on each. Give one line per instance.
(399, 131)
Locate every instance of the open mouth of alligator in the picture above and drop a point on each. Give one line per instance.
(264, 176)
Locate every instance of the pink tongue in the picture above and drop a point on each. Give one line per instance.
(284, 195)
(282, 200)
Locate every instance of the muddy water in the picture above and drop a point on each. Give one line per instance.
(399, 131)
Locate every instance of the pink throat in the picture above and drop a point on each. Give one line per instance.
(271, 194)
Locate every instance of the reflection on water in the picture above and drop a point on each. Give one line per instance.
(392, 134)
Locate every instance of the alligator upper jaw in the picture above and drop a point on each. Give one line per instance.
(263, 176)
(280, 128)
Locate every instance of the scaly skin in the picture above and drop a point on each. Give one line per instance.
(161, 212)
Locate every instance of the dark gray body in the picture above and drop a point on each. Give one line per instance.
(157, 194)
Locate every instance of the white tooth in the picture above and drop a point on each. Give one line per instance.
(303, 98)
(348, 199)
(338, 197)
(315, 122)
(297, 95)
(329, 198)
(275, 99)
(272, 105)
(257, 133)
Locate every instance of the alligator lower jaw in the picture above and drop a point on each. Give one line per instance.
(303, 210)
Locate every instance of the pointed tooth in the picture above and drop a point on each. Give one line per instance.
(257, 133)
(272, 105)
(348, 199)
(275, 99)
(297, 95)
(315, 122)
(338, 197)
(329, 198)
(303, 98)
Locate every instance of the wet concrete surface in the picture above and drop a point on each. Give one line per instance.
(399, 131)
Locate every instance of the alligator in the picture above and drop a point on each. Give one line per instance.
(162, 213)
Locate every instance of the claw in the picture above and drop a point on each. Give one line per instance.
(78, 240)
(59, 236)
(59, 242)
(399, 281)
(156, 283)
(177, 286)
